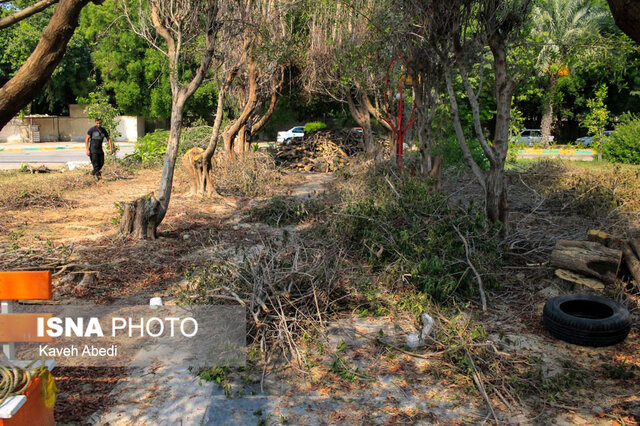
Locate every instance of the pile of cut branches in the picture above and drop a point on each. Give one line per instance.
(287, 289)
(323, 151)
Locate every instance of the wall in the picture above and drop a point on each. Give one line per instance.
(73, 128)
(11, 133)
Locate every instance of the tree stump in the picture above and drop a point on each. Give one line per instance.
(199, 173)
(587, 257)
(139, 218)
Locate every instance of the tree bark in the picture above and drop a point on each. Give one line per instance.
(457, 126)
(425, 109)
(25, 85)
(497, 204)
(230, 133)
(149, 215)
(587, 257)
(198, 164)
(361, 115)
(16, 17)
(547, 117)
(626, 13)
(139, 218)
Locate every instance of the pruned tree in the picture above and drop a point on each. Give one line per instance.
(181, 30)
(251, 60)
(348, 52)
(32, 76)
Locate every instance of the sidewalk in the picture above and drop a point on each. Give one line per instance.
(50, 146)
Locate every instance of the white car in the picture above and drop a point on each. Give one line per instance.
(291, 134)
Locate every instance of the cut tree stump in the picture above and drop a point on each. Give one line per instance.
(139, 218)
(587, 257)
(629, 250)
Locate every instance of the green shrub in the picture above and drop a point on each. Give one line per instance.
(195, 137)
(623, 146)
(151, 147)
(449, 149)
(314, 126)
(411, 236)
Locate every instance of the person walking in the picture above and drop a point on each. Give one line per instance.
(93, 144)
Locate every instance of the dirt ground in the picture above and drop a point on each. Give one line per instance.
(380, 383)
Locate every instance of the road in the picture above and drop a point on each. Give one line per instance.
(13, 159)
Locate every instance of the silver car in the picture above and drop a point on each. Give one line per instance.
(530, 137)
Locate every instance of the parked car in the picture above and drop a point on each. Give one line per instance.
(530, 137)
(586, 140)
(290, 135)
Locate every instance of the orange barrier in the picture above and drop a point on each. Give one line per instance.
(27, 285)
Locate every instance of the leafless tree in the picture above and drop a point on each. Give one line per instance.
(29, 80)
(176, 28)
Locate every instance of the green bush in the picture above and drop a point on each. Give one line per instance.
(623, 146)
(195, 137)
(412, 236)
(314, 126)
(151, 147)
(449, 149)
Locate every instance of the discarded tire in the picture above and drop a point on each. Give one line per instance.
(586, 320)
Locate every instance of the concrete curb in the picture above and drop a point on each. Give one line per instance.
(55, 148)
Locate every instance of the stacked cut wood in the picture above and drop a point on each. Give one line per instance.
(322, 151)
(596, 262)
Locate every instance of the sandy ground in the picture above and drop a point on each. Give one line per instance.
(390, 387)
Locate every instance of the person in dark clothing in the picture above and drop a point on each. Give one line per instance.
(93, 143)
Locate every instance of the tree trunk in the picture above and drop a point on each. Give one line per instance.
(587, 257)
(457, 126)
(168, 168)
(626, 13)
(28, 82)
(425, 109)
(547, 117)
(230, 133)
(496, 204)
(199, 163)
(361, 115)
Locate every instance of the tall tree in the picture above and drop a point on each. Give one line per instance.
(176, 28)
(253, 53)
(459, 32)
(29, 80)
(348, 52)
(560, 25)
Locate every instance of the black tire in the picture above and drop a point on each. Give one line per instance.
(586, 320)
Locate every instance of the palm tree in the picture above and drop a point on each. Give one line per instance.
(559, 25)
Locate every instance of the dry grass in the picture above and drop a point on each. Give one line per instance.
(24, 190)
(253, 174)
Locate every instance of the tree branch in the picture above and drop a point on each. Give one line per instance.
(28, 11)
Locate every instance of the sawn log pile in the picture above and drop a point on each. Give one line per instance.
(600, 261)
(322, 151)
